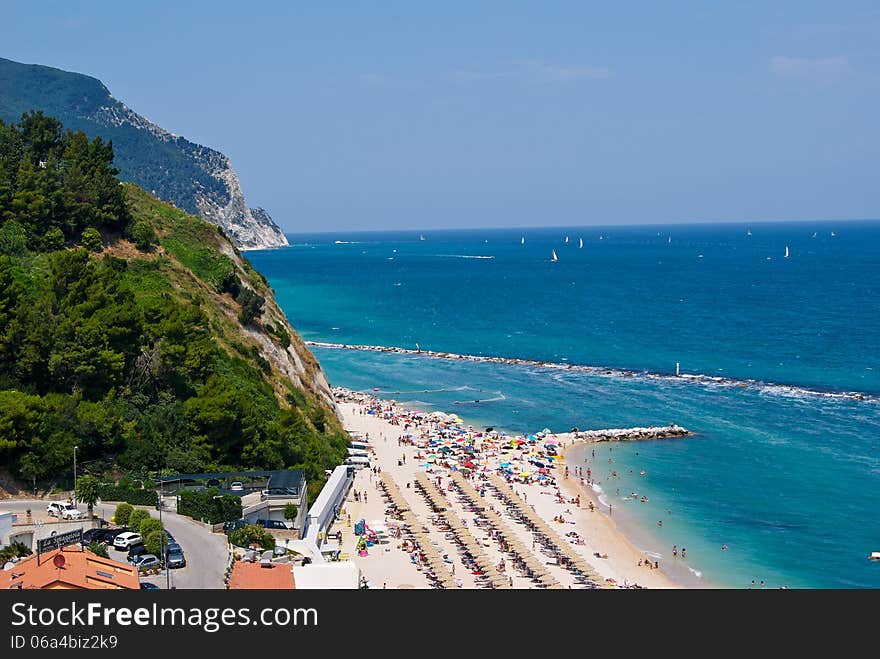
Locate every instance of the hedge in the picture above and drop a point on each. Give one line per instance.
(209, 506)
(137, 497)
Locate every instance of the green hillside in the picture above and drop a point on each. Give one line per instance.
(172, 169)
(137, 332)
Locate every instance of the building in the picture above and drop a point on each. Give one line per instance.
(344, 575)
(6, 520)
(70, 568)
(326, 509)
(264, 494)
(261, 576)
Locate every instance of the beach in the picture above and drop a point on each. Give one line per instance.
(423, 456)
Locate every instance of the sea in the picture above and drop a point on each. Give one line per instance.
(778, 362)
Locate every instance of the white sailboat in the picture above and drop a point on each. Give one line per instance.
(669, 241)
(554, 257)
(421, 236)
(581, 241)
(748, 232)
(815, 233)
(786, 251)
(522, 241)
(833, 234)
(566, 239)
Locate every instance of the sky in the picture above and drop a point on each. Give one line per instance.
(393, 115)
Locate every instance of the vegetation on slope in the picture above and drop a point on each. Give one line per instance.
(135, 331)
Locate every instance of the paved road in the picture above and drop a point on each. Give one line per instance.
(205, 552)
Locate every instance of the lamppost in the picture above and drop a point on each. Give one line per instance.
(74, 473)
(162, 537)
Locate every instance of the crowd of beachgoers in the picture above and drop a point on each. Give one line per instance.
(444, 504)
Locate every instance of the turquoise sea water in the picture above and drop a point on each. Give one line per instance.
(784, 469)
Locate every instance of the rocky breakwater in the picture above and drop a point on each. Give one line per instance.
(672, 431)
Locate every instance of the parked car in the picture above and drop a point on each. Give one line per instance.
(175, 559)
(148, 586)
(111, 534)
(134, 551)
(95, 535)
(64, 510)
(236, 486)
(273, 524)
(127, 539)
(146, 562)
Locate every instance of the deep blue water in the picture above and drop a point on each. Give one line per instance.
(787, 478)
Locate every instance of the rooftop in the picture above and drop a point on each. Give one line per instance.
(81, 570)
(257, 576)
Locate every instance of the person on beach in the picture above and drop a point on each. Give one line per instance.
(675, 550)
(683, 550)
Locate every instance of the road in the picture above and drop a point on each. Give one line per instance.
(206, 552)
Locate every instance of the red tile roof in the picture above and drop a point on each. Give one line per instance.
(253, 576)
(82, 570)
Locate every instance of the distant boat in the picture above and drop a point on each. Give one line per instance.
(669, 242)
(833, 234)
(421, 236)
(814, 233)
(554, 257)
(566, 239)
(581, 241)
(748, 232)
(522, 241)
(786, 251)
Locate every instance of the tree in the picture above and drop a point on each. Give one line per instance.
(91, 239)
(150, 525)
(290, 512)
(143, 236)
(13, 238)
(123, 514)
(137, 517)
(87, 491)
(99, 549)
(252, 535)
(155, 541)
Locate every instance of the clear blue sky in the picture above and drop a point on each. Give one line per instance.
(364, 115)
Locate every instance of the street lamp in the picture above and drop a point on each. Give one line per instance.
(74, 473)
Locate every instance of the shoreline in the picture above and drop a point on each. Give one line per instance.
(593, 535)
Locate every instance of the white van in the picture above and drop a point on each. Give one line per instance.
(358, 452)
(358, 461)
(361, 445)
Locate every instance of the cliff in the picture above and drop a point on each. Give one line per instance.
(195, 178)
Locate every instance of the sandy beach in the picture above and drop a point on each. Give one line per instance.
(477, 475)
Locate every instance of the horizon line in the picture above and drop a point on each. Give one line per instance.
(589, 226)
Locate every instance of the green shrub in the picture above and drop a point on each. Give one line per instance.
(91, 240)
(252, 535)
(137, 517)
(154, 541)
(123, 513)
(129, 494)
(209, 507)
(143, 236)
(148, 526)
(99, 549)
